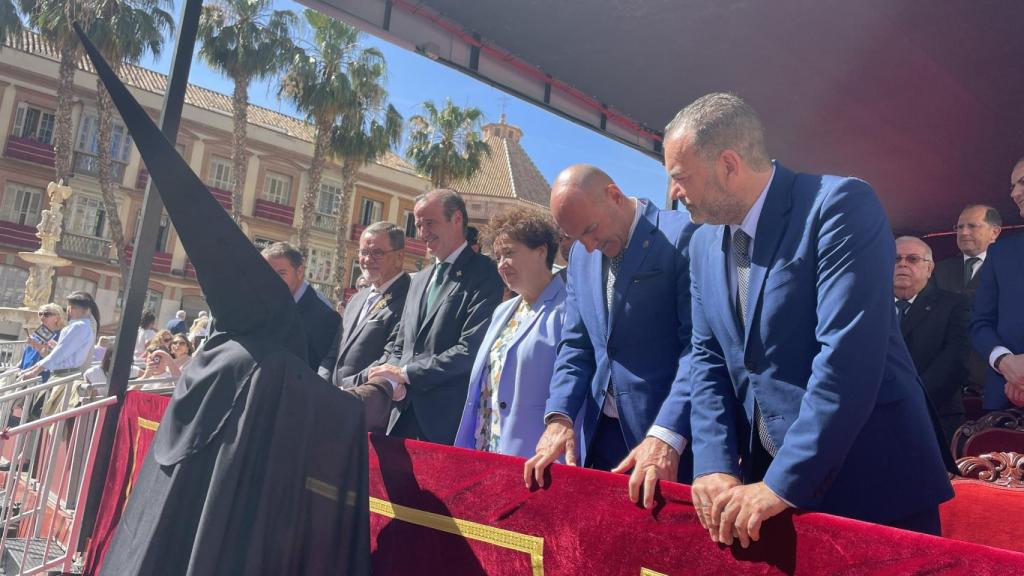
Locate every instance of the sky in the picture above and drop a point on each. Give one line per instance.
(552, 142)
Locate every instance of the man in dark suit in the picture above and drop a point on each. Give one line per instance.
(445, 318)
(803, 392)
(625, 338)
(319, 320)
(177, 324)
(372, 316)
(997, 322)
(934, 326)
(976, 229)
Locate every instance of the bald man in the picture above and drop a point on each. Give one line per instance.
(934, 326)
(626, 337)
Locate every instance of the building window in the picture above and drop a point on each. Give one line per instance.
(87, 150)
(193, 305)
(34, 123)
(278, 189)
(319, 265)
(220, 173)
(410, 224)
(371, 211)
(330, 196)
(161, 236)
(262, 243)
(63, 286)
(87, 217)
(356, 273)
(21, 204)
(12, 286)
(153, 301)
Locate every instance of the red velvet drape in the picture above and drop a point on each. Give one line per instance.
(584, 524)
(135, 429)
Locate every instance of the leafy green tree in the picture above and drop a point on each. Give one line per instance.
(445, 145)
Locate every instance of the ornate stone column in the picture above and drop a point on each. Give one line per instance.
(39, 287)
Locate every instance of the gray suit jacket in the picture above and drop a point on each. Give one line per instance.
(360, 344)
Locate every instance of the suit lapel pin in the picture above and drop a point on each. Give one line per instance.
(458, 273)
(646, 243)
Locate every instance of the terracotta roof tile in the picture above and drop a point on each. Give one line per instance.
(508, 172)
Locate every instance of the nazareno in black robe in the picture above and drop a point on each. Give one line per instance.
(259, 466)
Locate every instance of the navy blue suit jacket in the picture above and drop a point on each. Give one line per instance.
(821, 353)
(645, 342)
(997, 318)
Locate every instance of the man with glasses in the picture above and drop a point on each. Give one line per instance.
(372, 315)
(319, 320)
(934, 326)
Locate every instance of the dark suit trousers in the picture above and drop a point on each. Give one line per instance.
(609, 445)
(407, 426)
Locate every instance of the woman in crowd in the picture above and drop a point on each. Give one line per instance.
(162, 362)
(508, 387)
(42, 341)
(74, 346)
(146, 333)
(96, 378)
(200, 329)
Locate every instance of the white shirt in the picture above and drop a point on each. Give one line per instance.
(749, 227)
(141, 339)
(977, 265)
(74, 345)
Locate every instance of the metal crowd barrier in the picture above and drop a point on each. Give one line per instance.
(39, 520)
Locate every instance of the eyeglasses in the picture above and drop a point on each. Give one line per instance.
(375, 254)
(911, 259)
(45, 314)
(179, 343)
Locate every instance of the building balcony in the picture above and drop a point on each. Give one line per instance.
(142, 180)
(18, 235)
(273, 211)
(161, 260)
(415, 247)
(222, 196)
(324, 222)
(29, 150)
(79, 246)
(89, 165)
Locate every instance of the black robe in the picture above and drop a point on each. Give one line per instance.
(258, 467)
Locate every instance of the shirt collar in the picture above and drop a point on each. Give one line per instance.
(911, 299)
(749, 224)
(384, 287)
(301, 291)
(980, 257)
(454, 255)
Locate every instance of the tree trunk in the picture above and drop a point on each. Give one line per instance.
(62, 142)
(239, 153)
(316, 171)
(349, 170)
(104, 109)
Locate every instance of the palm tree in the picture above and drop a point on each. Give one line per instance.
(445, 144)
(322, 83)
(124, 31)
(246, 41)
(10, 22)
(52, 19)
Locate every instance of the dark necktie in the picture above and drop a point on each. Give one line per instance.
(435, 284)
(609, 285)
(969, 269)
(903, 306)
(741, 258)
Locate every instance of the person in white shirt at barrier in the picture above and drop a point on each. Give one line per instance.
(74, 346)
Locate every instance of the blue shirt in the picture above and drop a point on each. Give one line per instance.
(73, 347)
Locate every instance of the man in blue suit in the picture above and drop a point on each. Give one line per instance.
(803, 392)
(997, 323)
(625, 338)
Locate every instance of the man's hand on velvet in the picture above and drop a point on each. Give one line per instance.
(651, 461)
(740, 511)
(704, 491)
(558, 438)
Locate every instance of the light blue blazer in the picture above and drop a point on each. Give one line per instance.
(529, 363)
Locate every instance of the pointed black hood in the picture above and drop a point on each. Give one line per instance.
(247, 299)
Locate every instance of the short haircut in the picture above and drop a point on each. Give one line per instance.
(451, 201)
(148, 318)
(180, 314)
(719, 122)
(284, 250)
(85, 300)
(396, 236)
(927, 248)
(529, 226)
(992, 216)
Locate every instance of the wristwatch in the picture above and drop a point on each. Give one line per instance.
(1000, 359)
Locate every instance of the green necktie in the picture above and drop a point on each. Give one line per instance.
(435, 284)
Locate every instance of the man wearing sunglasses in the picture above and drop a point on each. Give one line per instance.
(934, 326)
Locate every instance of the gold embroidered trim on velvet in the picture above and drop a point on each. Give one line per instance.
(532, 545)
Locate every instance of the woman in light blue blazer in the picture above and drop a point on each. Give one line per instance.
(508, 387)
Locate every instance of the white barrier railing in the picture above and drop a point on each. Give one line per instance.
(11, 352)
(39, 523)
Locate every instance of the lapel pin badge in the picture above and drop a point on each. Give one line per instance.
(647, 243)
(458, 274)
